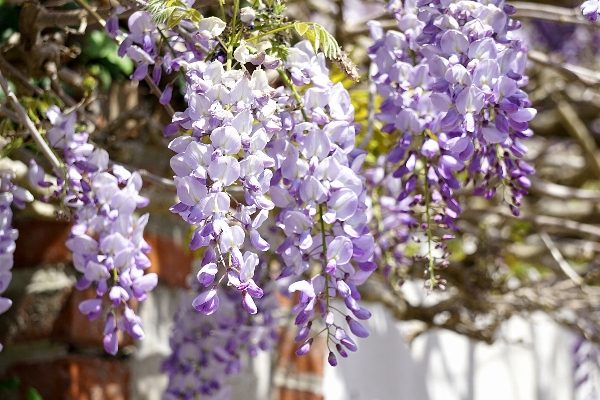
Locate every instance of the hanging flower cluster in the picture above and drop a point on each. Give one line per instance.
(10, 194)
(208, 348)
(232, 117)
(106, 238)
(265, 135)
(321, 195)
(451, 79)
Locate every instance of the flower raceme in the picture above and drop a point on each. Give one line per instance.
(321, 195)
(207, 347)
(302, 162)
(106, 238)
(10, 194)
(451, 78)
(232, 117)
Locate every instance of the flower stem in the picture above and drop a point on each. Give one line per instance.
(236, 6)
(292, 87)
(262, 35)
(428, 220)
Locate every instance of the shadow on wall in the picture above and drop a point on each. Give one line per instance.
(531, 360)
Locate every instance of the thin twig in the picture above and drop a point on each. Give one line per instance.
(562, 192)
(93, 12)
(586, 76)
(17, 74)
(560, 260)
(563, 224)
(547, 12)
(25, 120)
(579, 131)
(157, 92)
(8, 113)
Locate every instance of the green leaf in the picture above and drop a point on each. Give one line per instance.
(301, 27)
(33, 394)
(319, 38)
(100, 46)
(279, 8)
(171, 12)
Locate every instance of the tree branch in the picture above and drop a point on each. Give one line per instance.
(25, 120)
(547, 12)
(579, 131)
(560, 260)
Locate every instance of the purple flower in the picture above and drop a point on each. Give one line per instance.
(589, 8)
(305, 348)
(357, 328)
(207, 302)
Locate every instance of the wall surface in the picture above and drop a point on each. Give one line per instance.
(531, 360)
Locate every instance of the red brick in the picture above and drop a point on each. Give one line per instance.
(41, 243)
(170, 261)
(74, 378)
(290, 364)
(74, 327)
(33, 316)
(289, 394)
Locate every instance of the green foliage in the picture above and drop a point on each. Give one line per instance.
(319, 38)
(33, 394)
(172, 12)
(99, 45)
(279, 7)
(37, 106)
(11, 384)
(100, 54)
(14, 144)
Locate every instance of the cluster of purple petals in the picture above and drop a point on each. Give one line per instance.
(140, 44)
(586, 369)
(241, 138)
(321, 195)
(106, 238)
(231, 117)
(208, 348)
(9, 194)
(177, 49)
(451, 78)
(393, 219)
(589, 8)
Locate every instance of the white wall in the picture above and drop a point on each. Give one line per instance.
(531, 360)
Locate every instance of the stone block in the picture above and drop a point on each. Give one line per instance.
(74, 378)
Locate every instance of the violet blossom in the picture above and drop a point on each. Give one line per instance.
(106, 238)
